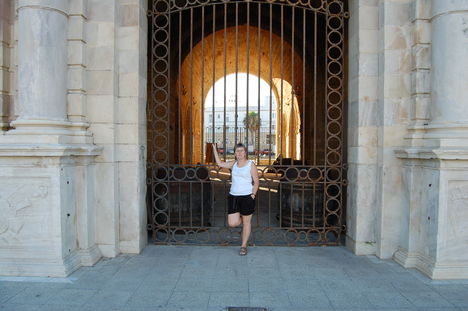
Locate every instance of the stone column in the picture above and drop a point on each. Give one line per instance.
(42, 64)
(449, 79)
(448, 129)
(47, 171)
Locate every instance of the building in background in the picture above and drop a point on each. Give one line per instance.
(227, 123)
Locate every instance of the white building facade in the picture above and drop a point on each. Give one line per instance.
(241, 109)
(73, 143)
(224, 119)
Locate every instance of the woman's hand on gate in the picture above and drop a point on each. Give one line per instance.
(220, 163)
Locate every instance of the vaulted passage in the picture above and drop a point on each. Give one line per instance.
(206, 60)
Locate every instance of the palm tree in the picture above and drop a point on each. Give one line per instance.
(252, 123)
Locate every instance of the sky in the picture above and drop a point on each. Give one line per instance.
(241, 91)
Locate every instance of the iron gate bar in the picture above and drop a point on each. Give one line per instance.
(292, 127)
(191, 86)
(237, 67)
(271, 83)
(212, 206)
(341, 104)
(259, 26)
(281, 76)
(304, 22)
(327, 103)
(280, 209)
(168, 88)
(202, 97)
(202, 204)
(191, 202)
(225, 204)
(315, 88)
(179, 112)
(214, 70)
(224, 103)
(247, 76)
(179, 206)
(290, 205)
(271, 104)
(303, 129)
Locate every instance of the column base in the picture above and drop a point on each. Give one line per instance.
(36, 266)
(48, 132)
(434, 242)
(88, 257)
(46, 192)
(436, 271)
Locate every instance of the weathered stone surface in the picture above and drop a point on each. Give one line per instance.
(42, 60)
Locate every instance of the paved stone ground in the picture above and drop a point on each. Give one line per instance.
(199, 278)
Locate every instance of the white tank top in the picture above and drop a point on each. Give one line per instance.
(241, 179)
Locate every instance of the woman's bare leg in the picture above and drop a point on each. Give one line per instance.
(246, 228)
(234, 220)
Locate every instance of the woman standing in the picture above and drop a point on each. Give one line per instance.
(241, 199)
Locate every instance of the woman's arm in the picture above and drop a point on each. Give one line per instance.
(218, 161)
(254, 173)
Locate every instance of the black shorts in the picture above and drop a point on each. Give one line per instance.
(243, 204)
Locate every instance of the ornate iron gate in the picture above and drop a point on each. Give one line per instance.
(298, 49)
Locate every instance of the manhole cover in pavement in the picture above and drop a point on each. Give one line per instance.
(245, 309)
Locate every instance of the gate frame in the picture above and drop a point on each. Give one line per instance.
(161, 18)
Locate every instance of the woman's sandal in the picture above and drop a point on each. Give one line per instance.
(243, 251)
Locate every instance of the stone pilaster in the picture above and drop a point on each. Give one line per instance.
(436, 159)
(420, 71)
(130, 141)
(449, 117)
(77, 65)
(393, 112)
(362, 126)
(6, 40)
(102, 93)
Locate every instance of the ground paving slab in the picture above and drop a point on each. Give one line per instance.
(212, 278)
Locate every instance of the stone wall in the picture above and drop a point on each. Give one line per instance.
(94, 68)
(405, 83)
(116, 79)
(363, 126)
(131, 129)
(395, 30)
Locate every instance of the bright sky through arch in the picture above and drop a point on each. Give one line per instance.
(241, 92)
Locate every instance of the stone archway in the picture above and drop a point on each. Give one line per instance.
(193, 105)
